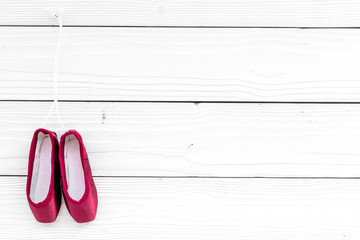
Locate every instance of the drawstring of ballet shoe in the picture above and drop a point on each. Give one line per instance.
(56, 73)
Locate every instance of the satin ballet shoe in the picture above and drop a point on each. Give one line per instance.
(43, 189)
(78, 186)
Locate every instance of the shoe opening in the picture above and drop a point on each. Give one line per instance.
(73, 168)
(41, 174)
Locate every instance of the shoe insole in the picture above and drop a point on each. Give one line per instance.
(74, 169)
(41, 175)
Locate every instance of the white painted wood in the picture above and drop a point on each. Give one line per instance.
(204, 209)
(185, 139)
(293, 13)
(182, 64)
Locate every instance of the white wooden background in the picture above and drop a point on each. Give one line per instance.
(203, 119)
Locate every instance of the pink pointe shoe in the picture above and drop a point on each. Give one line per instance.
(43, 182)
(79, 189)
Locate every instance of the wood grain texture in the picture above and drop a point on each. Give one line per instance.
(204, 209)
(184, 139)
(182, 64)
(278, 13)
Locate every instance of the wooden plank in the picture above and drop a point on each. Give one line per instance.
(278, 13)
(254, 209)
(184, 139)
(182, 64)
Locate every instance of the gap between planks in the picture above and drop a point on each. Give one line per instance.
(195, 102)
(144, 26)
(208, 177)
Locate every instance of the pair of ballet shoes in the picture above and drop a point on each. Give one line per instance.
(57, 169)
